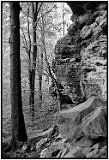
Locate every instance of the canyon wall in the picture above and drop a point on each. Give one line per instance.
(80, 63)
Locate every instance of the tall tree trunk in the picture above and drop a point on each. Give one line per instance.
(34, 55)
(18, 125)
(48, 66)
(40, 77)
(63, 21)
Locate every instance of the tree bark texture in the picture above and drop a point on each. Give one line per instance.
(18, 124)
(34, 55)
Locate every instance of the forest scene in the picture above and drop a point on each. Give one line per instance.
(54, 79)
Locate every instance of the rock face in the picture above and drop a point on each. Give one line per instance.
(81, 132)
(80, 63)
(80, 8)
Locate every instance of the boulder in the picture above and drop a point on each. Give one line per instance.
(53, 150)
(50, 133)
(95, 124)
(42, 143)
(45, 153)
(69, 121)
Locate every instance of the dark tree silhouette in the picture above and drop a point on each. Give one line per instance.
(34, 55)
(18, 124)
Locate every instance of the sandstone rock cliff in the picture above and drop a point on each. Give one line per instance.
(80, 62)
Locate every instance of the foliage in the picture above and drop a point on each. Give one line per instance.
(53, 30)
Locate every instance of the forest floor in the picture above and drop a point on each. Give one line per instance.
(42, 120)
(37, 125)
(48, 139)
(40, 123)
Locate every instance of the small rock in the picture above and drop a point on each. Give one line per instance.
(96, 30)
(32, 148)
(96, 146)
(93, 25)
(24, 148)
(101, 20)
(41, 143)
(52, 151)
(64, 140)
(72, 60)
(85, 32)
(103, 23)
(59, 137)
(45, 153)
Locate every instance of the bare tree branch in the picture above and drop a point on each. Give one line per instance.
(42, 15)
(24, 37)
(39, 8)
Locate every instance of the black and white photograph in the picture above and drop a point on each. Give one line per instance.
(54, 79)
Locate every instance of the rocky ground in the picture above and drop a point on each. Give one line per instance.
(80, 132)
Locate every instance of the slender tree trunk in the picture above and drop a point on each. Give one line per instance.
(40, 88)
(40, 78)
(18, 125)
(31, 97)
(63, 20)
(49, 69)
(34, 55)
